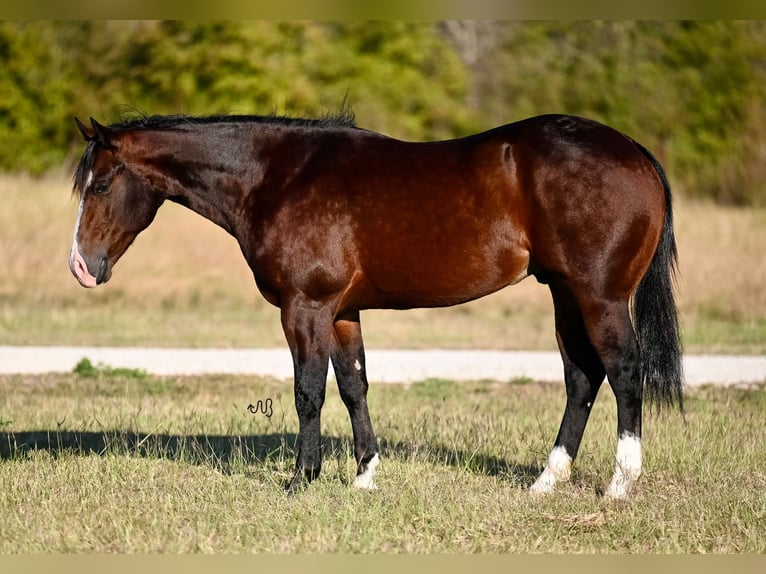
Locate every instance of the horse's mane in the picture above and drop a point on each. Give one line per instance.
(139, 121)
(83, 167)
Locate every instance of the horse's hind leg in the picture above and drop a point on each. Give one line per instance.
(350, 371)
(611, 333)
(583, 374)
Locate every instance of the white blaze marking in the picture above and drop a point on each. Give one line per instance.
(357, 365)
(89, 180)
(76, 263)
(557, 469)
(77, 225)
(366, 479)
(627, 467)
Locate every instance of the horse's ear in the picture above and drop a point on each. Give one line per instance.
(86, 132)
(102, 134)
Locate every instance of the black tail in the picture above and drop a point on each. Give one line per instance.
(656, 317)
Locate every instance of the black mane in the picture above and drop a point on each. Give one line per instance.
(140, 121)
(83, 167)
(345, 119)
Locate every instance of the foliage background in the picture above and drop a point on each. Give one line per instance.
(693, 92)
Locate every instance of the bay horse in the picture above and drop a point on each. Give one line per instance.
(333, 219)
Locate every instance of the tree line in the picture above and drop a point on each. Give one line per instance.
(692, 92)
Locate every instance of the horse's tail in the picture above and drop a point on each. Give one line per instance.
(656, 317)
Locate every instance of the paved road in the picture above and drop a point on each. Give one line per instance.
(383, 366)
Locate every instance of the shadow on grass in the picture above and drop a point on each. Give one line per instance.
(231, 453)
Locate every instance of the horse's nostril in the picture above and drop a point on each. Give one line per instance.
(101, 277)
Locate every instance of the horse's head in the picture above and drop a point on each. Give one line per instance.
(116, 204)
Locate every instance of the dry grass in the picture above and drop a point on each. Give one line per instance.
(184, 282)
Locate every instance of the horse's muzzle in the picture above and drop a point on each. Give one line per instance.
(82, 273)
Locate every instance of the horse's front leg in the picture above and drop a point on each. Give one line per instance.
(350, 370)
(308, 328)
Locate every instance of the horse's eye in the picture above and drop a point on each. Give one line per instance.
(101, 187)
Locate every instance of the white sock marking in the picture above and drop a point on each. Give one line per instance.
(627, 467)
(366, 479)
(557, 469)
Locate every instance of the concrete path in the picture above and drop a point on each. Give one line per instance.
(383, 366)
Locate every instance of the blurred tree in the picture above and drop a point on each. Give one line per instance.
(693, 92)
(34, 85)
(403, 76)
(403, 73)
(720, 77)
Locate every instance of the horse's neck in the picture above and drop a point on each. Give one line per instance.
(205, 183)
(208, 204)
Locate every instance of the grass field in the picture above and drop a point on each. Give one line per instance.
(125, 462)
(185, 283)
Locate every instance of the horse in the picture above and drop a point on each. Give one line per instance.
(333, 219)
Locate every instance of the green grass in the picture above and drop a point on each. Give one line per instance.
(710, 332)
(114, 462)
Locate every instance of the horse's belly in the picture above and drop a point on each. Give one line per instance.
(437, 280)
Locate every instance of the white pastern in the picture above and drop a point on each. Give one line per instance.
(557, 469)
(627, 467)
(366, 479)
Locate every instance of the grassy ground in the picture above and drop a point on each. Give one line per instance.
(184, 282)
(124, 462)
